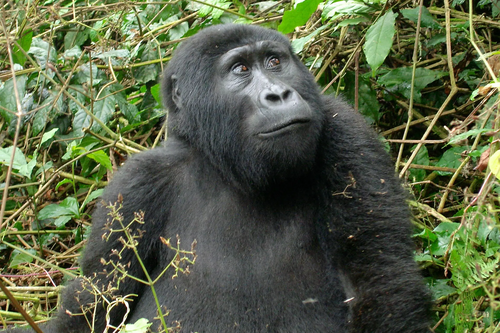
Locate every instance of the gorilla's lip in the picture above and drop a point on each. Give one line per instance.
(284, 127)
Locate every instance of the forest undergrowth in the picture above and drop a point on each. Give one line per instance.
(79, 93)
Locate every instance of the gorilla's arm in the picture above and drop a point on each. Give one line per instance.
(369, 228)
(146, 184)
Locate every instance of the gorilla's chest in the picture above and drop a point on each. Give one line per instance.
(258, 266)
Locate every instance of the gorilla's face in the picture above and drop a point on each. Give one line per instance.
(260, 75)
(277, 127)
(252, 108)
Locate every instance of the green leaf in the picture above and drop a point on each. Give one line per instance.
(8, 98)
(94, 195)
(101, 158)
(24, 43)
(400, 79)
(443, 232)
(140, 326)
(422, 158)
(299, 43)
(84, 73)
(19, 160)
(427, 20)
(27, 169)
(155, 92)
(64, 181)
(48, 135)
(450, 159)
(50, 110)
(120, 53)
(427, 234)
(72, 205)
(368, 103)
(339, 8)
(148, 73)
(440, 288)
(18, 258)
(75, 37)
(494, 164)
(298, 16)
(62, 220)
(54, 211)
(43, 52)
(104, 108)
(379, 40)
(468, 134)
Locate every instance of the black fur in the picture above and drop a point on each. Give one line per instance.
(303, 231)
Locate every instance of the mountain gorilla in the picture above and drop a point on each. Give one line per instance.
(300, 223)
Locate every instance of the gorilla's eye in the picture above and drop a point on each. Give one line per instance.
(239, 68)
(273, 62)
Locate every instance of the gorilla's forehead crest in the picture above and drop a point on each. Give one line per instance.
(220, 39)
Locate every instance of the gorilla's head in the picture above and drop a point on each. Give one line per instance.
(240, 96)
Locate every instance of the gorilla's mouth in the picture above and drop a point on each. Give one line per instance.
(284, 127)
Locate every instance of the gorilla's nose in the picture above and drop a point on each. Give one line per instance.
(275, 96)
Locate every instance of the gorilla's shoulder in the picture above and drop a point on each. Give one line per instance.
(343, 115)
(156, 170)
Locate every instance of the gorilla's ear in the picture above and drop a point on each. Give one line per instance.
(176, 94)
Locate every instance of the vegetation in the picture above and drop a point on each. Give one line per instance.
(79, 93)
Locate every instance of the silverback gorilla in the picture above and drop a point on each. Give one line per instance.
(300, 223)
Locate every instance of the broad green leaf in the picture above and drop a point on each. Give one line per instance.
(298, 44)
(48, 135)
(427, 20)
(155, 92)
(95, 32)
(76, 36)
(62, 220)
(72, 205)
(379, 40)
(422, 158)
(8, 98)
(340, 8)
(140, 326)
(64, 181)
(443, 232)
(101, 158)
(368, 104)
(494, 164)
(129, 110)
(468, 134)
(440, 288)
(103, 109)
(217, 13)
(53, 211)
(353, 21)
(18, 258)
(49, 110)
(43, 52)
(120, 53)
(298, 16)
(94, 195)
(84, 73)
(27, 169)
(24, 43)
(73, 52)
(178, 31)
(452, 158)
(423, 77)
(148, 73)
(400, 79)
(427, 234)
(19, 160)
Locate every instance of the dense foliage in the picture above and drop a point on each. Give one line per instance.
(79, 93)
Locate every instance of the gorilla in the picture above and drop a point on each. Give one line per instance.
(299, 220)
